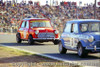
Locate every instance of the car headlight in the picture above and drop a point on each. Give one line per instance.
(91, 39)
(36, 32)
(56, 32)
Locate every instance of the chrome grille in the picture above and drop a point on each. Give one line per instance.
(46, 35)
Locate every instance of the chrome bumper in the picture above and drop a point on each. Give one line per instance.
(95, 46)
(93, 49)
(46, 39)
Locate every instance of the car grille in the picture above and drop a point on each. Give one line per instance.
(46, 35)
(97, 43)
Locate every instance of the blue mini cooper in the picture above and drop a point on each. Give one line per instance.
(82, 36)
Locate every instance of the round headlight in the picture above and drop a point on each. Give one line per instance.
(56, 32)
(91, 39)
(36, 32)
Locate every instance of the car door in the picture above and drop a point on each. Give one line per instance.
(26, 29)
(21, 29)
(66, 35)
(74, 36)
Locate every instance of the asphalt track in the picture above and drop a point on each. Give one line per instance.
(49, 49)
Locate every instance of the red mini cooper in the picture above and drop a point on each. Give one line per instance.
(37, 29)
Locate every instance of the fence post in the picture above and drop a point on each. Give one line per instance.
(11, 30)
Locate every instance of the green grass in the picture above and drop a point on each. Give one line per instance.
(9, 52)
(13, 51)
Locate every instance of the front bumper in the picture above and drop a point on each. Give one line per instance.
(45, 39)
(95, 47)
(93, 50)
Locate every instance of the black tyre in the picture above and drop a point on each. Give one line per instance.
(62, 50)
(81, 51)
(30, 40)
(56, 42)
(18, 38)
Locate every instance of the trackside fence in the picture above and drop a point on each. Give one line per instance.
(9, 29)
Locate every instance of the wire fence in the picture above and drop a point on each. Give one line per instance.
(8, 29)
(14, 29)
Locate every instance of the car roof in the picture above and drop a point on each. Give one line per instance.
(26, 19)
(83, 21)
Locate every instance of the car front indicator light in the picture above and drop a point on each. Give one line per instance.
(56, 32)
(91, 39)
(36, 32)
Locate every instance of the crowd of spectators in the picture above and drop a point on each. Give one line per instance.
(12, 14)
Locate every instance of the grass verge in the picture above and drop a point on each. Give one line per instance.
(15, 58)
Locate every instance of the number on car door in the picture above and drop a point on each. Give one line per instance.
(74, 33)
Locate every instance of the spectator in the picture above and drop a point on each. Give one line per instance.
(57, 14)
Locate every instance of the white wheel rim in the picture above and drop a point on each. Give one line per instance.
(17, 38)
(60, 47)
(28, 40)
(80, 51)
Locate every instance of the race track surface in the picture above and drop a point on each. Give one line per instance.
(48, 48)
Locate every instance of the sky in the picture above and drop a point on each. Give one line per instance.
(43, 2)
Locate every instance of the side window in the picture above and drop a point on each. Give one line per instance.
(67, 28)
(74, 28)
(84, 27)
(23, 24)
(27, 24)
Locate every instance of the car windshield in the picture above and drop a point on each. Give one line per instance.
(90, 27)
(41, 24)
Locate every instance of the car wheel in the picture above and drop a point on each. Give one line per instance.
(56, 42)
(18, 38)
(30, 39)
(62, 50)
(81, 51)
